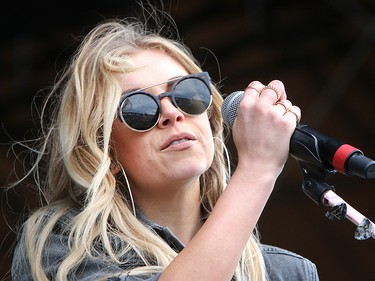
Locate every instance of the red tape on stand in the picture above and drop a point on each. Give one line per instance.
(341, 155)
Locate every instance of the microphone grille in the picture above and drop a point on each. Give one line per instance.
(230, 107)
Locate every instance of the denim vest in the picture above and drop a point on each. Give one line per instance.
(281, 265)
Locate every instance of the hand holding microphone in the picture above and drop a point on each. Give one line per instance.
(310, 146)
(264, 125)
(316, 153)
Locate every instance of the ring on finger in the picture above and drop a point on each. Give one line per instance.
(273, 88)
(298, 116)
(283, 103)
(255, 89)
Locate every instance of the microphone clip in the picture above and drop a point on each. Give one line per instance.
(315, 187)
(314, 184)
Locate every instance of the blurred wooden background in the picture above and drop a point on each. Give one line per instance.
(323, 51)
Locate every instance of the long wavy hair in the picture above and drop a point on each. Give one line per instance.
(72, 168)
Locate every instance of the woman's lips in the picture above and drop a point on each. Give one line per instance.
(179, 140)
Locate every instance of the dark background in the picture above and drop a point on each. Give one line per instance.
(322, 50)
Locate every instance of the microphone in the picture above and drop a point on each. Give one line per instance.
(313, 148)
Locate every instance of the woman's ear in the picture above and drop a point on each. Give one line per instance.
(114, 168)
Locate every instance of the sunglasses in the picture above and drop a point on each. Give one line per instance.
(191, 94)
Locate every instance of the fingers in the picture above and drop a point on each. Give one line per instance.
(270, 94)
(294, 112)
(289, 110)
(273, 95)
(254, 90)
(265, 121)
(278, 87)
(267, 94)
(283, 106)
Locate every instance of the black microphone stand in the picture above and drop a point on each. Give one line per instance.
(324, 195)
(305, 149)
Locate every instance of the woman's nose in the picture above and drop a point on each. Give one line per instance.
(170, 114)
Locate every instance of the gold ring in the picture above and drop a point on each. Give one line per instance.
(283, 104)
(273, 88)
(298, 117)
(251, 87)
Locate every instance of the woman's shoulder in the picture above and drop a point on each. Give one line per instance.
(282, 264)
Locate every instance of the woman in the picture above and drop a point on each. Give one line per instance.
(133, 175)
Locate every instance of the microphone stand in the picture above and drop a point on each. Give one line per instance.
(320, 192)
(305, 148)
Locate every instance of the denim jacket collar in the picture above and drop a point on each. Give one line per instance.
(164, 232)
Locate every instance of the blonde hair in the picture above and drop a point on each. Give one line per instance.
(76, 157)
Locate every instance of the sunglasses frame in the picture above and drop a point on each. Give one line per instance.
(203, 76)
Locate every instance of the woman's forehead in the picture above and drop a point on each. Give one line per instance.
(150, 68)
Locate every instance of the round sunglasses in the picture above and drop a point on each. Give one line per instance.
(191, 94)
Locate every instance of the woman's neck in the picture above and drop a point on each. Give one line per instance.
(179, 211)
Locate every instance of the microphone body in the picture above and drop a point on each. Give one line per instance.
(313, 148)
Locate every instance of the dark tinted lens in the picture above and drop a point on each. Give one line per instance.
(140, 111)
(192, 96)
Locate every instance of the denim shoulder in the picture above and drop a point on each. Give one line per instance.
(283, 265)
(56, 248)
